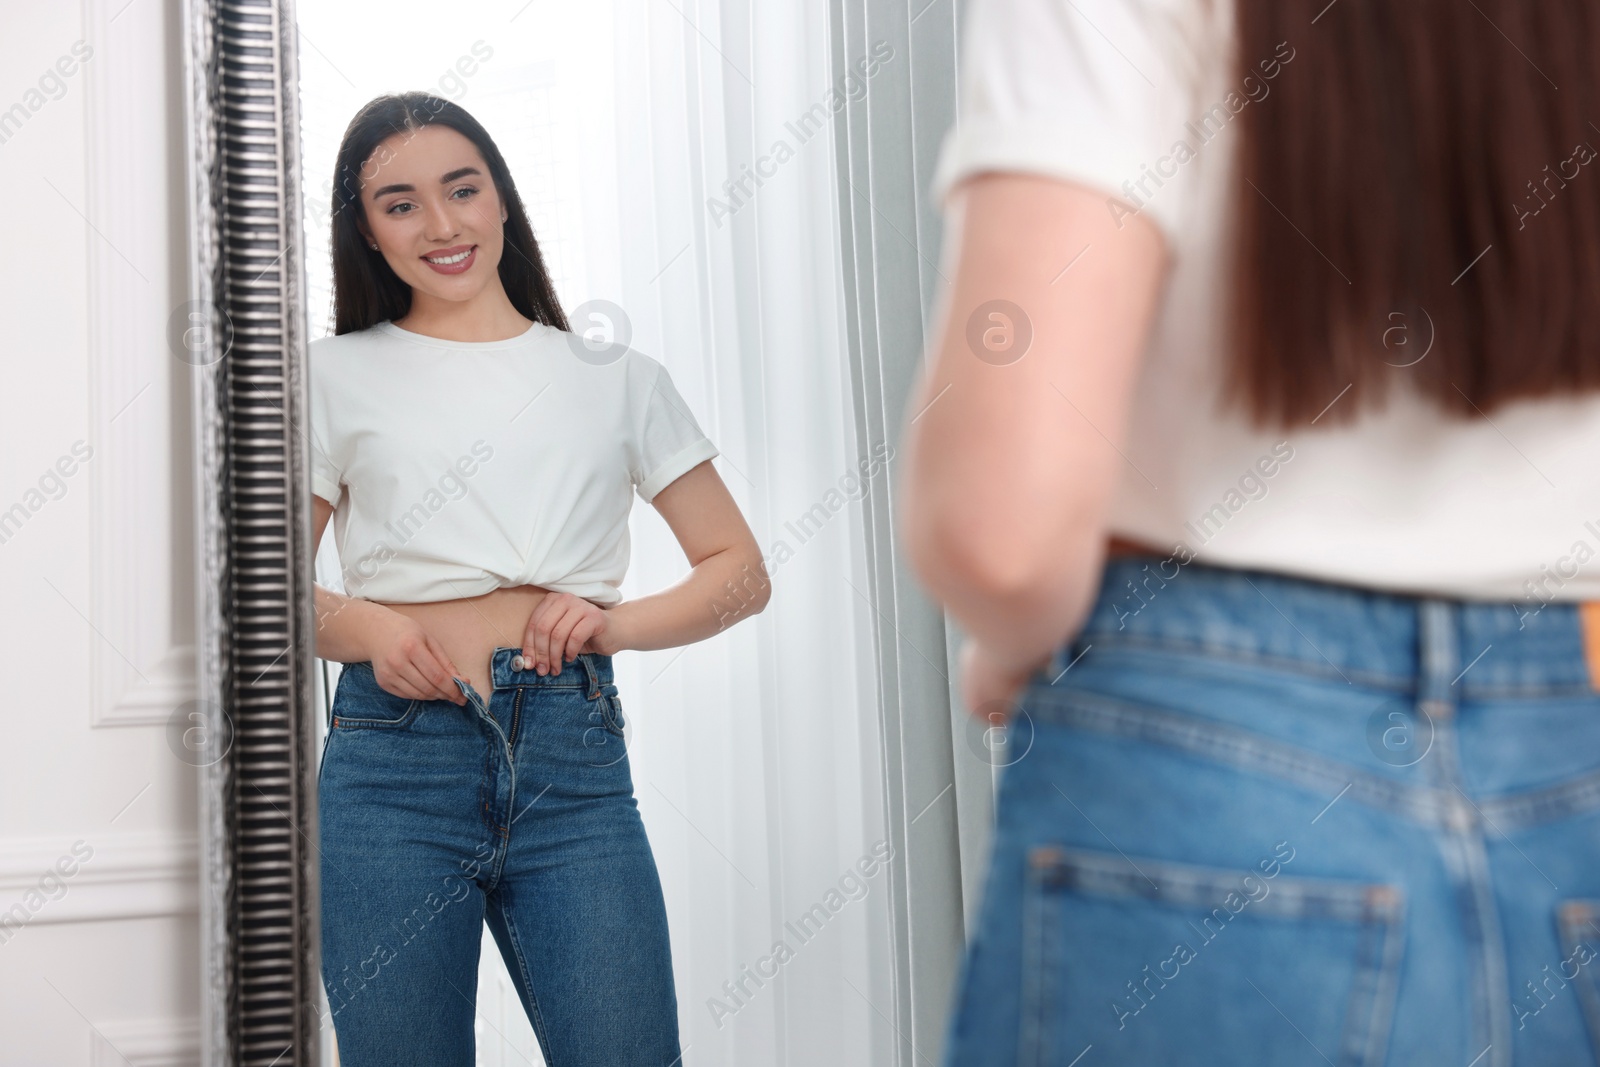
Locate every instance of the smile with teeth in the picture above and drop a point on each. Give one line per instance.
(446, 261)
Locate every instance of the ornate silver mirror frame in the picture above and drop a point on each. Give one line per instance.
(245, 332)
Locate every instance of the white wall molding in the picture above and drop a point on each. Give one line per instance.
(127, 876)
(150, 701)
(141, 662)
(99, 584)
(145, 1043)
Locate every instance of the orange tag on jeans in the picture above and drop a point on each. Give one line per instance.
(1589, 616)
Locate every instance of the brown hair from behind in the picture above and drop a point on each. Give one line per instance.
(1422, 166)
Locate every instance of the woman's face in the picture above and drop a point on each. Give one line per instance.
(434, 212)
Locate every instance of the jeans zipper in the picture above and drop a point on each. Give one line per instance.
(516, 717)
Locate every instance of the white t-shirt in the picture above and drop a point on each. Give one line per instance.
(1101, 92)
(459, 467)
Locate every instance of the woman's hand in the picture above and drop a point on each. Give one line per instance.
(561, 627)
(409, 663)
(987, 688)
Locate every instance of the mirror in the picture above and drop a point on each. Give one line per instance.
(768, 793)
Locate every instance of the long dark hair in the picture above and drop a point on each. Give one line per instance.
(1418, 168)
(365, 290)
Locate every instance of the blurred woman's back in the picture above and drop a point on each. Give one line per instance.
(1384, 240)
(1257, 447)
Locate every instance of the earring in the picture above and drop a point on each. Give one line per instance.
(374, 246)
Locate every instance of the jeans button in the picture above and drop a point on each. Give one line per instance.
(516, 663)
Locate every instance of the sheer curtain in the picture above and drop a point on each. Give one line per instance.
(939, 764)
(756, 753)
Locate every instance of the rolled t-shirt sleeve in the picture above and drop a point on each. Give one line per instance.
(667, 439)
(1088, 91)
(326, 476)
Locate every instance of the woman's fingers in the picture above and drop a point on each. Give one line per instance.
(441, 662)
(410, 682)
(553, 637)
(425, 676)
(541, 626)
(561, 638)
(586, 628)
(530, 634)
(558, 630)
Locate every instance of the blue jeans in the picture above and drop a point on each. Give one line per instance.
(1252, 819)
(437, 818)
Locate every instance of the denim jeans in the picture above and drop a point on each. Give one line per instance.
(518, 812)
(1252, 819)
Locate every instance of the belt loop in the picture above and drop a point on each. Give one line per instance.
(594, 679)
(1438, 655)
(1589, 623)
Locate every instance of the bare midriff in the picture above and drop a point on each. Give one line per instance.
(471, 628)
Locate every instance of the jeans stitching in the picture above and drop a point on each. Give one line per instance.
(1430, 806)
(1466, 867)
(611, 713)
(1588, 989)
(1551, 803)
(1387, 990)
(1480, 921)
(591, 677)
(1461, 842)
(1472, 688)
(1233, 746)
(1181, 883)
(1378, 918)
(485, 796)
(343, 721)
(1030, 1033)
(1208, 651)
(1365, 1029)
(536, 1016)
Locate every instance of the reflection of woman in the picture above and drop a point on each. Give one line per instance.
(479, 463)
(1306, 762)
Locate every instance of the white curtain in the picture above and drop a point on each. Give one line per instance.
(756, 754)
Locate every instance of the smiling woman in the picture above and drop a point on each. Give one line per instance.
(462, 608)
(457, 258)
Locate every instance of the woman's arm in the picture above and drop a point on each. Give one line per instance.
(727, 583)
(406, 659)
(1012, 461)
(345, 625)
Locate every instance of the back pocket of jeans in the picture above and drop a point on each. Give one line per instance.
(1152, 961)
(1578, 921)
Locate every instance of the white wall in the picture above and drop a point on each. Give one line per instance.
(97, 964)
